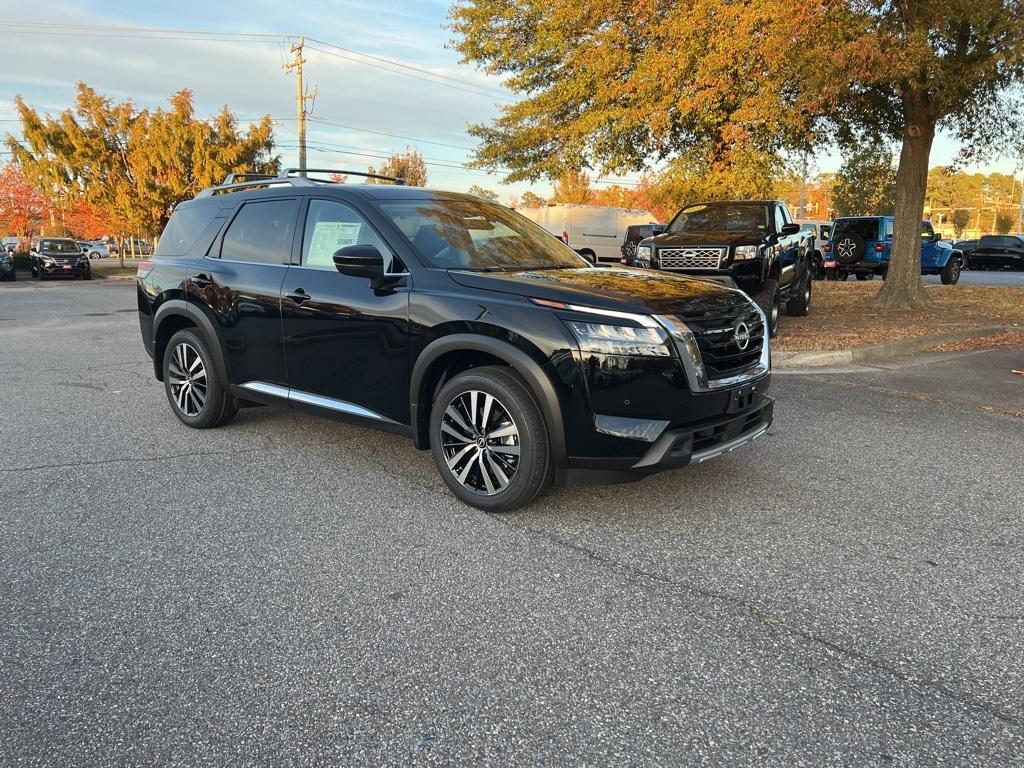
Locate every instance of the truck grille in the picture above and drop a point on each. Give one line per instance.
(716, 338)
(691, 258)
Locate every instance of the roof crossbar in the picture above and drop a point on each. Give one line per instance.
(291, 172)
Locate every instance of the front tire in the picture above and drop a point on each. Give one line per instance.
(197, 395)
(489, 440)
(770, 303)
(950, 274)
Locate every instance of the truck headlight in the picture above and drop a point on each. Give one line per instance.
(602, 339)
(643, 253)
(743, 252)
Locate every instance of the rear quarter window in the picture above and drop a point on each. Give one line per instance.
(866, 228)
(186, 225)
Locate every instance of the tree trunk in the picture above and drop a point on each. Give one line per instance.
(120, 252)
(902, 289)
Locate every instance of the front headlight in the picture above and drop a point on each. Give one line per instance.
(643, 253)
(601, 339)
(742, 252)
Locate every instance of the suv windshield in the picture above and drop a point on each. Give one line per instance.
(464, 233)
(60, 246)
(721, 217)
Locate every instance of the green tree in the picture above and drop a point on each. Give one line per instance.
(1004, 222)
(408, 166)
(613, 85)
(960, 219)
(133, 166)
(866, 182)
(531, 200)
(572, 187)
(486, 194)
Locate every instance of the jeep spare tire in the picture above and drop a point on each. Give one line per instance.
(849, 248)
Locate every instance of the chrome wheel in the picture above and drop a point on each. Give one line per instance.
(187, 378)
(480, 442)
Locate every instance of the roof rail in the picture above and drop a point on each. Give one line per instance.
(292, 172)
(235, 178)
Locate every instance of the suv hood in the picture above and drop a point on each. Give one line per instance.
(624, 290)
(666, 240)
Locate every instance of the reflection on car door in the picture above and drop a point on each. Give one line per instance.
(238, 285)
(346, 343)
(789, 251)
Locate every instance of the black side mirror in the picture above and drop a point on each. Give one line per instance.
(659, 229)
(790, 229)
(937, 237)
(360, 261)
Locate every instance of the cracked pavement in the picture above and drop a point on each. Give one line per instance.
(292, 591)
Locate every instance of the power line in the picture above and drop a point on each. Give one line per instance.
(193, 35)
(392, 135)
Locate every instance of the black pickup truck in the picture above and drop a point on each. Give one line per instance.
(753, 245)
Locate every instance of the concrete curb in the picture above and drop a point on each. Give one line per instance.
(900, 348)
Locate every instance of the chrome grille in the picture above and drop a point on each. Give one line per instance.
(716, 339)
(691, 258)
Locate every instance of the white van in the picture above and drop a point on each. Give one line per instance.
(594, 231)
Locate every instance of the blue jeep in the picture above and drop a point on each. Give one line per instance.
(860, 246)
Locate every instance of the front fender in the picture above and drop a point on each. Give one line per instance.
(533, 374)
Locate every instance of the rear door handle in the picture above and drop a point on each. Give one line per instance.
(298, 296)
(200, 281)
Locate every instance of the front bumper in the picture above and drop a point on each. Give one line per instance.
(72, 270)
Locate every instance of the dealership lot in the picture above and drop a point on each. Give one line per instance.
(848, 590)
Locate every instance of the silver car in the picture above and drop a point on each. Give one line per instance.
(97, 250)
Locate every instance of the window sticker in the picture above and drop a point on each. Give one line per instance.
(328, 237)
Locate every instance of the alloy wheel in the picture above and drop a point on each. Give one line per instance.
(187, 379)
(480, 441)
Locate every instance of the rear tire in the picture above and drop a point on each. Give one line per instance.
(768, 300)
(800, 305)
(194, 390)
(489, 440)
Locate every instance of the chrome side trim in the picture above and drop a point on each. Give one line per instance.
(341, 406)
(732, 445)
(266, 388)
(308, 398)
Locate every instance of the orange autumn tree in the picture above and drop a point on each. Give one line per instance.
(619, 85)
(23, 209)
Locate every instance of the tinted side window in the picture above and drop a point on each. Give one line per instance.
(261, 233)
(780, 218)
(926, 231)
(184, 228)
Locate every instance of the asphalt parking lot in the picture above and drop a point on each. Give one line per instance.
(295, 591)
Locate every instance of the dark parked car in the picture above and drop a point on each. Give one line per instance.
(454, 321)
(7, 271)
(998, 252)
(753, 245)
(634, 234)
(58, 257)
(861, 246)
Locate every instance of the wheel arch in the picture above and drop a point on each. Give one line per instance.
(440, 359)
(174, 315)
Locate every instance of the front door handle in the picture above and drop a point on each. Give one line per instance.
(200, 281)
(298, 296)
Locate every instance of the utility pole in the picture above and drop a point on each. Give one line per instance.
(302, 96)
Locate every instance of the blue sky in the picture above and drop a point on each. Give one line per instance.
(247, 75)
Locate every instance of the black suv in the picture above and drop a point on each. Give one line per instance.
(751, 244)
(634, 234)
(454, 321)
(58, 257)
